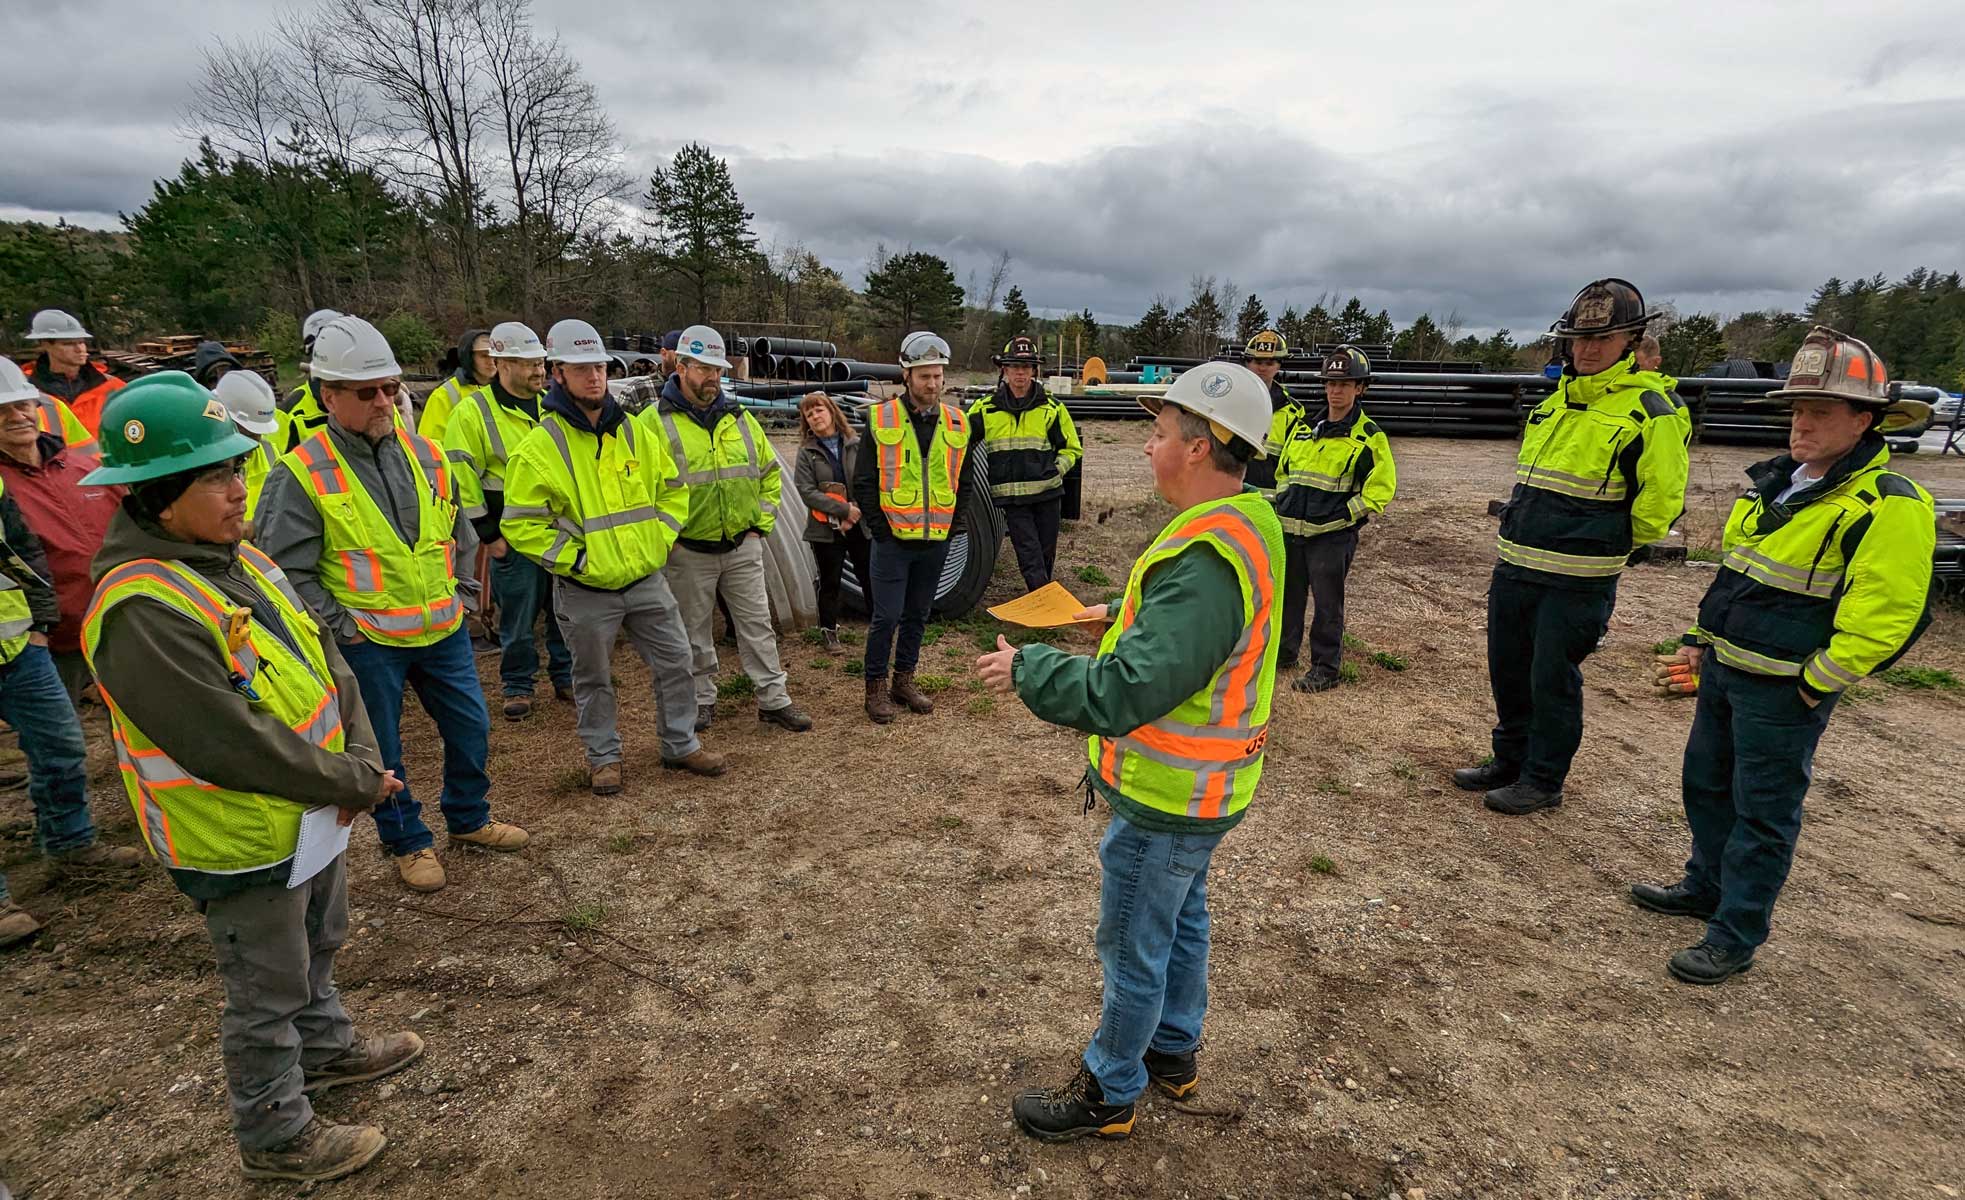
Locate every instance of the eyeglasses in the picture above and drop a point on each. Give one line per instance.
(221, 476)
(369, 393)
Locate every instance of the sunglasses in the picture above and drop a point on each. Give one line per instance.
(369, 393)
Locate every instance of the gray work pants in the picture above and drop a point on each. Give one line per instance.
(739, 575)
(283, 1015)
(589, 621)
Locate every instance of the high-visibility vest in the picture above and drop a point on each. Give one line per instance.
(449, 396)
(1318, 489)
(188, 822)
(301, 419)
(732, 473)
(1204, 758)
(258, 465)
(478, 438)
(54, 416)
(600, 512)
(1031, 451)
(399, 595)
(915, 512)
(16, 618)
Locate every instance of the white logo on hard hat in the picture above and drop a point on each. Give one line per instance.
(1217, 385)
(695, 345)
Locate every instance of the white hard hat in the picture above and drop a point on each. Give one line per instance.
(515, 339)
(249, 398)
(572, 341)
(315, 322)
(54, 325)
(14, 386)
(1228, 395)
(349, 349)
(924, 349)
(703, 344)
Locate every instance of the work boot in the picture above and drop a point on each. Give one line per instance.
(1708, 963)
(563, 692)
(1174, 1074)
(319, 1151)
(705, 716)
(880, 709)
(493, 835)
(1316, 679)
(699, 762)
(16, 925)
(100, 858)
(1486, 777)
(369, 1058)
(605, 780)
(830, 639)
(421, 871)
(789, 717)
(1680, 899)
(518, 708)
(1078, 1109)
(904, 692)
(1519, 799)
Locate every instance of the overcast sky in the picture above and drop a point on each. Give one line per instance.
(1470, 156)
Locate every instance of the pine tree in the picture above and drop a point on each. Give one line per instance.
(915, 290)
(1158, 332)
(1253, 319)
(699, 230)
(1015, 318)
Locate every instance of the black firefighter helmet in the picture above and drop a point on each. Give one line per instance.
(1346, 362)
(1605, 306)
(1018, 351)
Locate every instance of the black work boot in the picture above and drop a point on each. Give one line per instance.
(1708, 963)
(1078, 1109)
(1316, 679)
(1680, 899)
(789, 717)
(1486, 777)
(1519, 799)
(1174, 1074)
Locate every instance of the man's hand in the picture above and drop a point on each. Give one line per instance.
(1808, 698)
(1095, 612)
(996, 667)
(1692, 656)
(37, 639)
(498, 549)
(852, 516)
(387, 787)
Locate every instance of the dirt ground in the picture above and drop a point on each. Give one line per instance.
(825, 974)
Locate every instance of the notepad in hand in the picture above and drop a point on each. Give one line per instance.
(322, 839)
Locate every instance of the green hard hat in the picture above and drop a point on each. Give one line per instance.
(164, 424)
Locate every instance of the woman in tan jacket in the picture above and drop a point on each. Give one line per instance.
(827, 450)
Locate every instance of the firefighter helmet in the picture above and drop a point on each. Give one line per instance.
(1018, 351)
(1347, 362)
(1267, 344)
(1605, 306)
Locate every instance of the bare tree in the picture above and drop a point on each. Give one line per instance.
(985, 305)
(241, 102)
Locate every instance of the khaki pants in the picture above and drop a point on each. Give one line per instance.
(739, 575)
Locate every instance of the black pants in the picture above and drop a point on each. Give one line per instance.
(1313, 571)
(1747, 767)
(904, 579)
(1537, 639)
(1034, 532)
(832, 558)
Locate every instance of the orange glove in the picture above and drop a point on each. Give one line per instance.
(1672, 675)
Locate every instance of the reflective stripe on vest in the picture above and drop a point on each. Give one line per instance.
(426, 608)
(16, 616)
(748, 469)
(917, 498)
(53, 416)
(1203, 759)
(187, 821)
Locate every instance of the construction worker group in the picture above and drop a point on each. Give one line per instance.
(255, 686)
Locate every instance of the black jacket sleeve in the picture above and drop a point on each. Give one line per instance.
(865, 490)
(27, 564)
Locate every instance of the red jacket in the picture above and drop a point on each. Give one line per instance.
(69, 519)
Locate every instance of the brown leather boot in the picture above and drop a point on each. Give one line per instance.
(369, 1058)
(904, 692)
(320, 1151)
(880, 709)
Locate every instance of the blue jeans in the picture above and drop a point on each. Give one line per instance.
(34, 702)
(523, 588)
(446, 681)
(1748, 763)
(1153, 945)
(904, 578)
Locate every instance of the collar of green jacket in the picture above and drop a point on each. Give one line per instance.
(1009, 402)
(1585, 391)
(130, 537)
(725, 405)
(1329, 428)
(1771, 477)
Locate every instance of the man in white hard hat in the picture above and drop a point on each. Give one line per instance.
(723, 458)
(63, 369)
(363, 516)
(480, 433)
(43, 475)
(910, 483)
(591, 496)
(302, 407)
(255, 411)
(1177, 702)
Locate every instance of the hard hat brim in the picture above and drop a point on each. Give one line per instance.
(260, 427)
(532, 355)
(82, 336)
(1892, 415)
(234, 445)
(708, 360)
(1154, 404)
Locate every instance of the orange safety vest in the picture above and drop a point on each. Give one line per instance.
(918, 498)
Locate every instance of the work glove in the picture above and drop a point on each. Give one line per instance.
(1672, 675)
